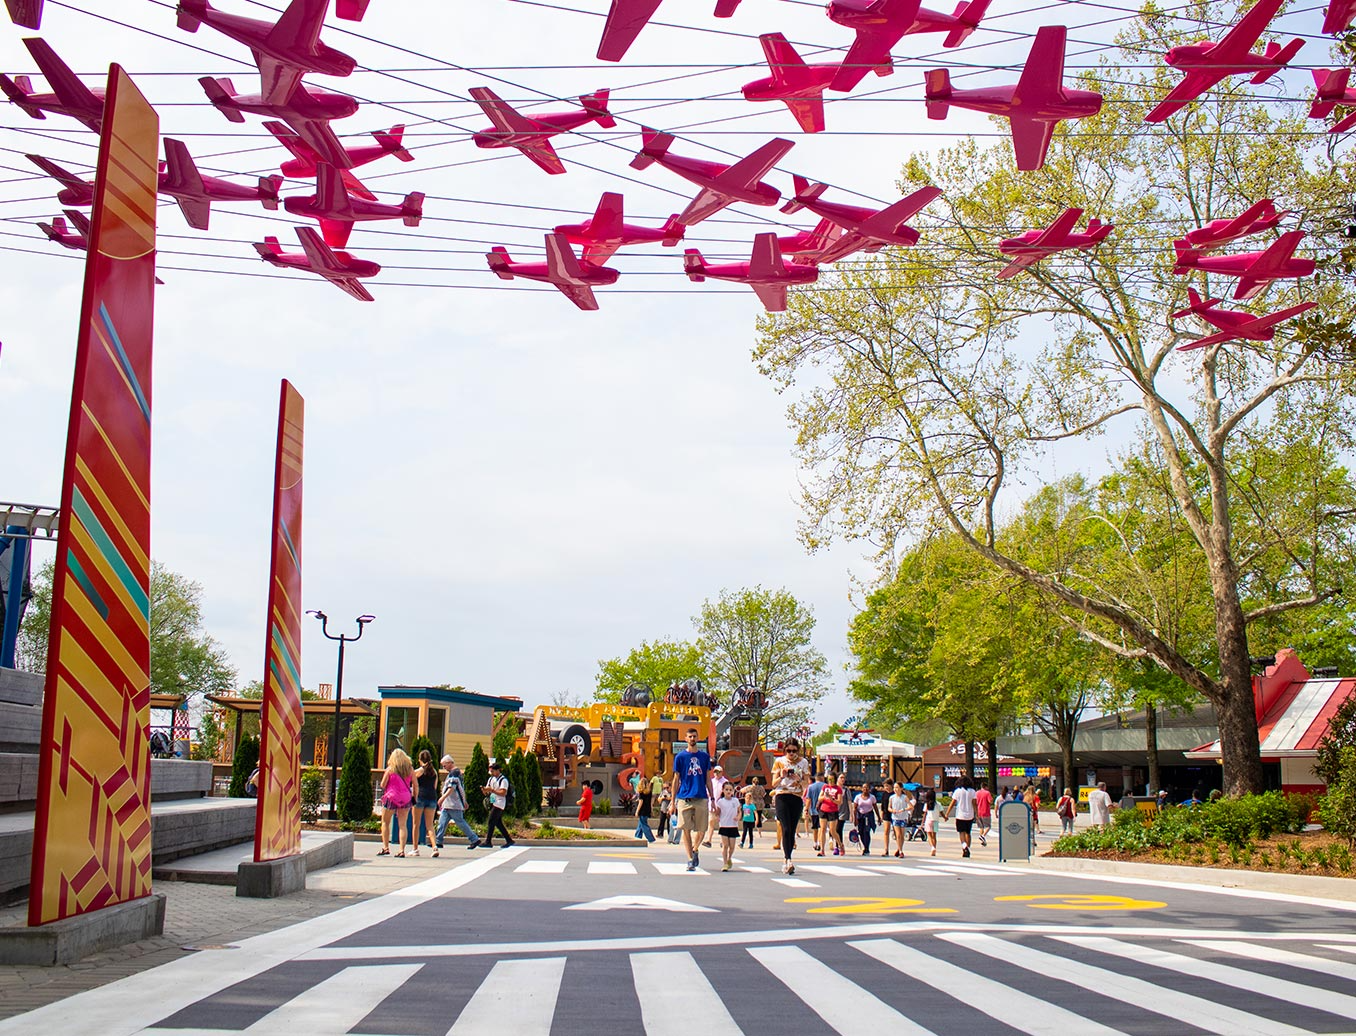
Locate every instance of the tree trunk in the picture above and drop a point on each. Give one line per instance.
(1066, 757)
(970, 760)
(1239, 745)
(1151, 746)
(992, 746)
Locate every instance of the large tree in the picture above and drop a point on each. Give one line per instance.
(761, 638)
(656, 663)
(930, 391)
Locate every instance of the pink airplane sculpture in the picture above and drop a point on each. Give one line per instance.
(337, 210)
(351, 10)
(1332, 91)
(27, 13)
(1206, 63)
(76, 239)
(766, 272)
(530, 134)
(1255, 270)
(805, 246)
(307, 112)
(284, 50)
(1031, 247)
(1037, 102)
(75, 191)
(1233, 323)
(1338, 18)
(864, 229)
(1254, 219)
(800, 86)
(180, 179)
(880, 24)
(69, 96)
(339, 268)
(625, 19)
(721, 185)
(575, 278)
(602, 235)
(304, 161)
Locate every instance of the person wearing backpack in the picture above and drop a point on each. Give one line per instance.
(452, 806)
(1064, 809)
(498, 789)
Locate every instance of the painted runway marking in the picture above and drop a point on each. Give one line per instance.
(673, 991)
(1001, 1002)
(541, 867)
(517, 996)
(846, 1007)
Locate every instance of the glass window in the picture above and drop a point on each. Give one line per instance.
(437, 729)
(402, 727)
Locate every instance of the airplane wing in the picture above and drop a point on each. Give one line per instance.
(772, 296)
(580, 294)
(277, 79)
(197, 210)
(336, 231)
(850, 242)
(1243, 37)
(543, 154)
(324, 263)
(300, 150)
(64, 83)
(27, 13)
(318, 135)
(625, 19)
(1195, 84)
(330, 194)
(78, 220)
(561, 265)
(1058, 231)
(1208, 340)
(779, 53)
(62, 176)
(1042, 78)
(890, 217)
(1030, 140)
(869, 52)
(751, 168)
(352, 10)
(505, 117)
(181, 169)
(1277, 255)
(299, 27)
(706, 204)
(599, 252)
(808, 110)
(1016, 266)
(353, 286)
(766, 260)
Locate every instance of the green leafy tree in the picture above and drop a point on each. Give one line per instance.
(475, 777)
(762, 638)
(532, 789)
(656, 663)
(246, 759)
(423, 743)
(30, 650)
(517, 774)
(505, 738)
(355, 799)
(932, 390)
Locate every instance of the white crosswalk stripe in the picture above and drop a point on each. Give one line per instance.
(1185, 1008)
(677, 868)
(1277, 955)
(517, 996)
(611, 867)
(796, 883)
(835, 870)
(541, 867)
(846, 1007)
(673, 991)
(1280, 988)
(998, 1001)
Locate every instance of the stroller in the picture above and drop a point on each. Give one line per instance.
(914, 822)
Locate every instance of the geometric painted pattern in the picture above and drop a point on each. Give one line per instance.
(277, 824)
(92, 826)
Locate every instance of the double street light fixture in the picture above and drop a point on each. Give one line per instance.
(343, 639)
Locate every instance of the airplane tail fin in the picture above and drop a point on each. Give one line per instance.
(78, 220)
(220, 92)
(653, 145)
(269, 248)
(412, 210)
(268, 190)
(726, 8)
(969, 16)
(190, 14)
(937, 92)
(393, 141)
(1331, 85)
(1279, 56)
(498, 258)
(1196, 304)
(54, 230)
(673, 231)
(596, 105)
(1186, 255)
(694, 266)
(17, 90)
(805, 191)
(351, 10)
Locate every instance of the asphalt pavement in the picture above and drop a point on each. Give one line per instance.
(565, 939)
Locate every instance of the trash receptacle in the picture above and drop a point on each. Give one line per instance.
(1014, 831)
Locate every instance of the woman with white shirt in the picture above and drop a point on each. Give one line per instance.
(790, 779)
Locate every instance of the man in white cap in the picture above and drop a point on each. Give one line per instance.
(452, 805)
(718, 782)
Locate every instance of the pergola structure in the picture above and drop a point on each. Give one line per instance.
(314, 707)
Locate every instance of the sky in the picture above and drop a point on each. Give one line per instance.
(514, 488)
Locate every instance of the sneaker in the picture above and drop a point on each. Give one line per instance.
(691, 866)
(726, 867)
(696, 859)
(786, 867)
(473, 845)
(965, 854)
(790, 867)
(508, 845)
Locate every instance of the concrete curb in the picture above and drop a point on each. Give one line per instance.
(1314, 885)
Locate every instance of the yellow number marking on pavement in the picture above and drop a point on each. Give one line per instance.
(1080, 901)
(868, 905)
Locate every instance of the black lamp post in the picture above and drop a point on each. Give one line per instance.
(343, 639)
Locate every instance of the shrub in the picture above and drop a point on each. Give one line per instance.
(532, 783)
(420, 744)
(355, 783)
(476, 776)
(1234, 822)
(554, 797)
(246, 759)
(626, 802)
(312, 791)
(1337, 808)
(602, 807)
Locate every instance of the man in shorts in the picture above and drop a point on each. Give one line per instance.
(983, 813)
(691, 795)
(963, 803)
(812, 794)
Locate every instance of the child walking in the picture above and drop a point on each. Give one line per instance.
(728, 810)
(749, 813)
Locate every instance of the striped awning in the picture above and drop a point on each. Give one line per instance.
(1294, 725)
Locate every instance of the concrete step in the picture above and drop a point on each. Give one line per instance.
(320, 848)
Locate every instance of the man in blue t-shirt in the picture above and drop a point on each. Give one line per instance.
(812, 794)
(691, 794)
